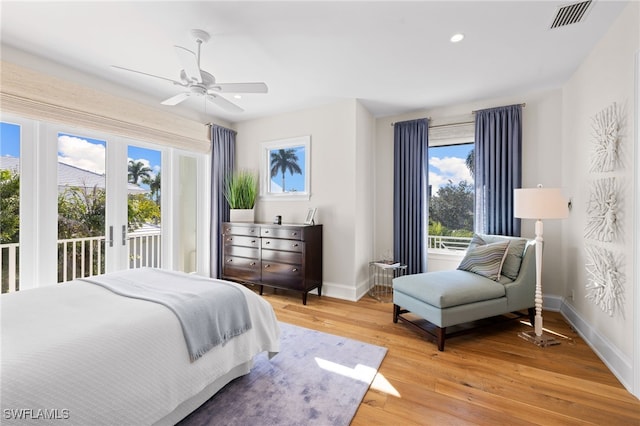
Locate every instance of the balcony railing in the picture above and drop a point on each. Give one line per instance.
(83, 257)
(448, 243)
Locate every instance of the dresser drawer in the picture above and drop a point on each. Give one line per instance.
(228, 229)
(287, 245)
(290, 233)
(240, 268)
(282, 256)
(282, 275)
(234, 251)
(239, 240)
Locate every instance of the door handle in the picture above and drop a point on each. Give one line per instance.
(111, 236)
(124, 235)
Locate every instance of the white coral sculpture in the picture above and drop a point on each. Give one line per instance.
(605, 140)
(605, 281)
(602, 211)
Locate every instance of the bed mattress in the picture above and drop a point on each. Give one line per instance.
(79, 353)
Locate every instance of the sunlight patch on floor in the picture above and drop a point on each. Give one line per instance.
(360, 372)
(381, 384)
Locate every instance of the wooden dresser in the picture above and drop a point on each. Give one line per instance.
(278, 256)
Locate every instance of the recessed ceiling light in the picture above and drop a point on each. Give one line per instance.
(237, 96)
(457, 37)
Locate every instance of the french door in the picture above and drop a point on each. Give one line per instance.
(87, 203)
(108, 205)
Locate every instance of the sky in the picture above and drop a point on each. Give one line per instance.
(448, 163)
(79, 151)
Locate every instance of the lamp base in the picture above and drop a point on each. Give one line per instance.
(542, 341)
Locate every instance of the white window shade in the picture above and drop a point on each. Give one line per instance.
(452, 130)
(34, 95)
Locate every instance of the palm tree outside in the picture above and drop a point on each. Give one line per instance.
(154, 186)
(138, 170)
(284, 160)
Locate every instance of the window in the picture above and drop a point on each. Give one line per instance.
(10, 135)
(451, 196)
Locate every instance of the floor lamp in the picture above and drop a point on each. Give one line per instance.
(539, 203)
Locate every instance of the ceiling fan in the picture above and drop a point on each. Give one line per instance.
(199, 83)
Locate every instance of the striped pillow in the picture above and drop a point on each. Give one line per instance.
(485, 260)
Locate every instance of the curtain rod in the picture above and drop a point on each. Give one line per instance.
(462, 122)
(446, 125)
(522, 105)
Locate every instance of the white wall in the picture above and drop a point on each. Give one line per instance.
(606, 76)
(364, 211)
(339, 132)
(541, 158)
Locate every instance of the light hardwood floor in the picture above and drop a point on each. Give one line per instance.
(488, 377)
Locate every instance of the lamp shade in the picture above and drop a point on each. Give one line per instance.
(540, 203)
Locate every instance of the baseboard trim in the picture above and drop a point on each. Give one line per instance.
(342, 291)
(619, 364)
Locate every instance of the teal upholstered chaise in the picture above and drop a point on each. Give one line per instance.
(448, 298)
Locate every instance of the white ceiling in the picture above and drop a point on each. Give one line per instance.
(393, 56)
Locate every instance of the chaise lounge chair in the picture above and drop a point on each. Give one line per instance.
(496, 277)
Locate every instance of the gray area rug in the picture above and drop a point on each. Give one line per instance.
(316, 379)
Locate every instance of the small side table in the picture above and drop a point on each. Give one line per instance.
(381, 275)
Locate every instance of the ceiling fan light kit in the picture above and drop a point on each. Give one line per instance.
(199, 83)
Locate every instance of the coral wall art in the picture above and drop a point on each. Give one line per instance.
(602, 211)
(604, 157)
(605, 280)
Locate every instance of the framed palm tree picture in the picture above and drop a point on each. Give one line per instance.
(285, 173)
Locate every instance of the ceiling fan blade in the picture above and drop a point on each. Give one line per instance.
(148, 75)
(223, 103)
(189, 63)
(240, 87)
(175, 100)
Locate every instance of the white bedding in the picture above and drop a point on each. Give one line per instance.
(80, 353)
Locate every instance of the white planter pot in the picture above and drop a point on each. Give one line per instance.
(242, 215)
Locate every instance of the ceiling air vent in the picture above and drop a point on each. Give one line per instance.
(571, 14)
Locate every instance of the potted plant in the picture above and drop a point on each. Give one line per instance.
(241, 191)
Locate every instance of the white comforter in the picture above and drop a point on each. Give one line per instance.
(80, 353)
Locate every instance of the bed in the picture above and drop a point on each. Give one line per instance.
(78, 353)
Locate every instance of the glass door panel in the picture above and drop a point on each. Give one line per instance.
(81, 206)
(144, 224)
(10, 137)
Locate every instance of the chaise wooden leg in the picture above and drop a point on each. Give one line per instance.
(396, 312)
(440, 335)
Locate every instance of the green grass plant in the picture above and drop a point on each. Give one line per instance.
(241, 189)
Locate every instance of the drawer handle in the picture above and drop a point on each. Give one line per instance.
(266, 231)
(294, 245)
(294, 234)
(229, 260)
(294, 270)
(229, 239)
(253, 230)
(253, 241)
(253, 263)
(267, 266)
(267, 242)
